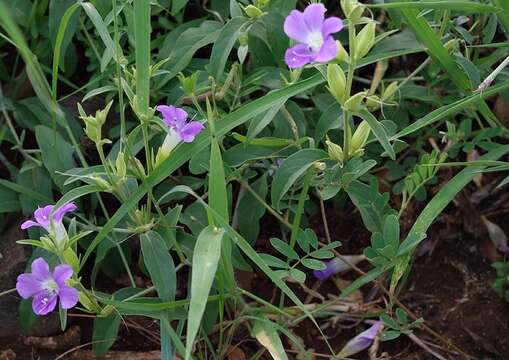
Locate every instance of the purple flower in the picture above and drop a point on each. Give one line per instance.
(336, 265)
(361, 341)
(45, 217)
(46, 287)
(313, 34)
(176, 119)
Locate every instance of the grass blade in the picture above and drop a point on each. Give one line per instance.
(207, 252)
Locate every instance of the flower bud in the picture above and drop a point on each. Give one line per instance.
(120, 165)
(188, 83)
(373, 102)
(101, 115)
(360, 136)
(103, 184)
(335, 151)
(319, 166)
(337, 82)
(390, 91)
(138, 168)
(354, 103)
(342, 55)
(451, 45)
(365, 40)
(353, 9)
(253, 12)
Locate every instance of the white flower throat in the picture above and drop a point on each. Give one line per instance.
(50, 286)
(315, 41)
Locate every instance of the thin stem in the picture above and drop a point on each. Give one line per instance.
(347, 132)
(6, 292)
(300, 206)
(324, 220)
(264, 203)
(119, 76)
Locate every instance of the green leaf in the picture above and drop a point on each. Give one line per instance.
(391, 231)
(297, 275)
(103, 32)
(284, 248)
(104, 334)
(190, 41)
(142, 53)
(291, 169)
(314, 264)
(224, 45)
(206, 255)
(159, 264)
(378, 131)
(265, 332)
(464, 6)
(57, 154)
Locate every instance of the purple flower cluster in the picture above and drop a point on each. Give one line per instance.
(176, 119)
(46, 287)
(313, 34)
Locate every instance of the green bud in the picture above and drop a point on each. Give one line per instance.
(360, 136)
(335, 151)
(373, 102)
(253, 12)
(120, 165)
(365, 40)
(353, 9)
(103, 184)
(451, 45)
(138, 168)
(319, 166)
(390, 91)
(188, 83)
(342, 55)
(354, 103)
(337, 82)
(101, 115)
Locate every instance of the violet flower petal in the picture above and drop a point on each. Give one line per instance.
(58, 215)
(361, 341)
(190, 130)
(27, 285)
(61, 273)
(42, 216)
(313, 17)
(28, 224)
(44, 302)
(328, 50)
(40, 269)
(298, 56)
(68, 296)
(331, 25)
(295, 26)
(171, 114)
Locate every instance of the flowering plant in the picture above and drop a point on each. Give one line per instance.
(282, 142)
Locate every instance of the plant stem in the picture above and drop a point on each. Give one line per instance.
(347, 132)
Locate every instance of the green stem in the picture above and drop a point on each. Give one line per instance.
(347, 132)
(119, 76)
(300, 206)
